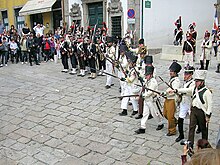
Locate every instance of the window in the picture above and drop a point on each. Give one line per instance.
(5, 19)
(116, 26)
(19, 19)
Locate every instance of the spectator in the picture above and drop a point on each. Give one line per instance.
(39, 29)
(24, 49)
(25, 30)
(201, 144)
(12, 31)
(14, 48)
(5, 53)
(2, 27)
(46, 49)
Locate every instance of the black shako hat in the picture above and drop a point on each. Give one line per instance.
(148, 59)
(175, 67)
(149, 70)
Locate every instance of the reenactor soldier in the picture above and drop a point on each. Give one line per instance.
(64, 54)
(188, 50)
(110, 54)
(130, 87)
(148, 61)
(149, 101)
(72, 49)
(201, 107)
(206, 51)
(123, 67)
(81, 56)
(193, 33)
(101, 50)
(92, 59)
(185, 104)
(171, 100)
(178, 32)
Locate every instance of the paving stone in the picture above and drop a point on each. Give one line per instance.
(12, 154)
(94, 158)
(74, 150)
(123, 137)
(13, 136)
(69, 138)
(46, 157)
(58, 134)
(53, 142)
(138, 159)
(70, 160)
(81, 141)
(99, 147)
(41, 138)
(24, 140)
(8, 142)
(118, 143)
(119, 154)
(17, 146)
(154, 153)
(25, 132)
(28, 160)
(27, 124)
(99, 138)
(8, 129)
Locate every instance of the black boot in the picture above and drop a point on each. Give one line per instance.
(207, 65)
(123, 113)
(180, 128)
(159, 127)
(140, 131)
(139, 116)
(202, 65)
(218, 67)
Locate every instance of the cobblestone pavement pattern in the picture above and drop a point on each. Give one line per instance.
(49, 117)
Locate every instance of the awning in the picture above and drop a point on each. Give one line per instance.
(36, 6)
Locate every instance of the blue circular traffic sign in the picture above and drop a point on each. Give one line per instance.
(131, 13)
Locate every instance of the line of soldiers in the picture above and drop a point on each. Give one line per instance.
(139, 84)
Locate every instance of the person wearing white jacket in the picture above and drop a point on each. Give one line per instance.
(171, 98)
(186, 101)
(130, 88)
(110, 55)
(206, 51)
(201, 108)
(150, 102)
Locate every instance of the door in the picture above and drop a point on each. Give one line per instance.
(116, 26)
(95, 11)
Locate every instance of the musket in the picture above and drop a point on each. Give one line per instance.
(111, 75)
(179, 95)
(120, 97)
(157, 92)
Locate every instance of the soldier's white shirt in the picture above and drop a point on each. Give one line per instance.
(111, 52)
(206, 52)
(151, 84)
(186, 98)
(175, 84)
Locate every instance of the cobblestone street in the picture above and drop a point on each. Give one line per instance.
(53, 118)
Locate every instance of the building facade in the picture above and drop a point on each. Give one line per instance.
(152, 20)
(17, 12)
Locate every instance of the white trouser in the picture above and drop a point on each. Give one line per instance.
(188, 58)
(134, 101)
(150, 108)
(109, 70)
(122, 83)
(184, 109)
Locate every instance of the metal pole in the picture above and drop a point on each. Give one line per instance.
(142, 18)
